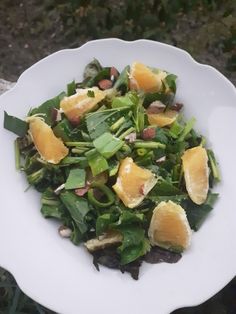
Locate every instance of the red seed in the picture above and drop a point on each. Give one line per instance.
(114, 72)
(75, 121)
(105, 84)
(149, 133)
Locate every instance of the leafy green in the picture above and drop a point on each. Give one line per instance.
(170, 81)
(92, 69)
(52, 207)
(90, 93)
(77, 207)
(197, 214)
(188, 127)
(166, 99)
(104, 221)
(96, 162)
(213, 165)
(76, 179)
(134, 244)
(101, 75)
(46, 108)
(122, 83)
(71, 88)
(15, 125)
(100, 122)
(165, 188)
(107, 144)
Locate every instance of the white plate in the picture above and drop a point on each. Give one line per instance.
(60, 275)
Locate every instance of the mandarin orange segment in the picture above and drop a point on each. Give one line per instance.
(169, 227)
(143, 78)
(77, 105)
(196, 173)
(47, 144)
(162, 119)
(133, 183)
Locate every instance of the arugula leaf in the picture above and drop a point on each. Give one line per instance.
(47, 106)
(51, 205)
(128, 217)
(161, 135)
(96, 162)
(77, 207)
(101, 75)
(15, 125)
(197, 214)
(76, 179)
(174, 198)
(107, 144)
(71, 88)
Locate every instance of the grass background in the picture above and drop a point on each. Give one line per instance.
(32, 29)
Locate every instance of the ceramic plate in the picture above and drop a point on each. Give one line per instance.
(59, 275)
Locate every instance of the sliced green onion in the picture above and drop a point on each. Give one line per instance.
(80, 144)
(106, 191)
(79, 151)
(117, 124)
(142, 151)
(127, 132)
(142, 144)
(213, 165)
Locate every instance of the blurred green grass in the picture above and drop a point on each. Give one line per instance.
(32, 29)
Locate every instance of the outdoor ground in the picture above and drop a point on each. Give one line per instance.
(32, 29)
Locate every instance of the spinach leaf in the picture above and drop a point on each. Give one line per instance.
(77, 207)
(174, 198)
(46, 108)
(196, 214)
(71, 88)
(107, 144)
(188, 127)
(15, 125)
(52, 207)
(104, 221)
(134, 244)
(76, 179)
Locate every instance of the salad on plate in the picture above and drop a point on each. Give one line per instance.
(119, 166)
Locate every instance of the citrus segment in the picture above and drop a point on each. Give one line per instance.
(143, 78)
(196, 173)
(47, 144)
(169, 227)
(163, 118)
(83, 101)
(133, 183)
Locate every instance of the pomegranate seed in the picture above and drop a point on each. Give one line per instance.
(149, 133)
(105, 84)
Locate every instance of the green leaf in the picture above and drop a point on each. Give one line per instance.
(103, 74)
(107, 144)
(52, 207)
(71, 88)
(161, 136)
(63, 130)
(165, 188)
(166, 99)
(188, 127)
(104, 221)
(76, 179)
(213, 165)
(122, 83)
(77, 207)
(197, 214)
(96, 162)
(134, 244)
(123, 101)
(46, 108)
(15, 125)
(170, 81)
(174, 198)
(100, 122)
(92, 69)
(90, 93)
